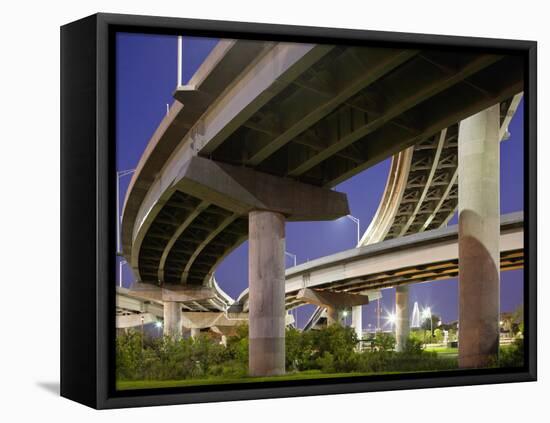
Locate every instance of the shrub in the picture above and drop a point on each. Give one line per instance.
(384, 341)
(413, 346)
(328, 350)
(512, 356)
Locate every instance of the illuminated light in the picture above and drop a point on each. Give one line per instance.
(158, 324)
(427, 313)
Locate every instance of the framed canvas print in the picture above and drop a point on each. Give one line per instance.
(258, 211)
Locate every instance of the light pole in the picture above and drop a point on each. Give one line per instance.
(358, 223)
(292, 256)
(391, 318)
(295, 309)
(142, 331)
(180, 65)
(345, 315)
(120, 264)
(119, 174)
(427, 314)
(159, 327)
(378, 316)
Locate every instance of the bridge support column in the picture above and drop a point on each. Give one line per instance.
(266, 268)
(334, 315)
(195, 332)
(357, 321)
(478, 238)
(172, 319)
(402, 324)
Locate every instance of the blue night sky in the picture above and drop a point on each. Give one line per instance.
(146, 68)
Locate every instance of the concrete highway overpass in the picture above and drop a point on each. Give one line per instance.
(421, 191)
(260, 135)
(422, 257)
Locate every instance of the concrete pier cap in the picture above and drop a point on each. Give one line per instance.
(243, 190)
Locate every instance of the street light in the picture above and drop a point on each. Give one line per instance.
(158, 325)
(292, 256)
(391, 319)
(119, 174)
(295, 309)
(345, 316)
(180, 56)
(427, 314)
(120, 264)
(358, 223)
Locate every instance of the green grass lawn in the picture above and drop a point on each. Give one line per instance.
(309, 374)
(444, 351)
(453, 352)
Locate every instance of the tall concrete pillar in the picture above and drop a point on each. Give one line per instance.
(478, 238)
(172, 319)
(357, 320)
(266, 282)
(195, 332)
(334, 315)
(402, 323)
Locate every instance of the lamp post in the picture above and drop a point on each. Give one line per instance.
(427, 314)
(120, 264)
(142, 331)
(159, 327)
(180, 65)
(119, 174)
(295, 309)
(391, 318)
(292, 256)
(358, 223)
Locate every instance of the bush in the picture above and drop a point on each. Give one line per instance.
(328, 350)
(413, 346)
(512, 356)
(384, 341)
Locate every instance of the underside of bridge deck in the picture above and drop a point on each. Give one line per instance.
(275, 126)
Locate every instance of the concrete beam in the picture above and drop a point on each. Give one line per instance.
(331, 299)
(134, 320)
(228, 59)
(242, 190)
(340, 141)
(170, 292)
(203, 320)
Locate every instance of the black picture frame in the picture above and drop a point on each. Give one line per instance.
(87, 207)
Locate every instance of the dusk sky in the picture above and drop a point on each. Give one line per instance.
(145, 80)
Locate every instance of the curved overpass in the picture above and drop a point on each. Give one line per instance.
(421, 191)
(261, 134)
(312, 113)
(422, 188)
(421, 257)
